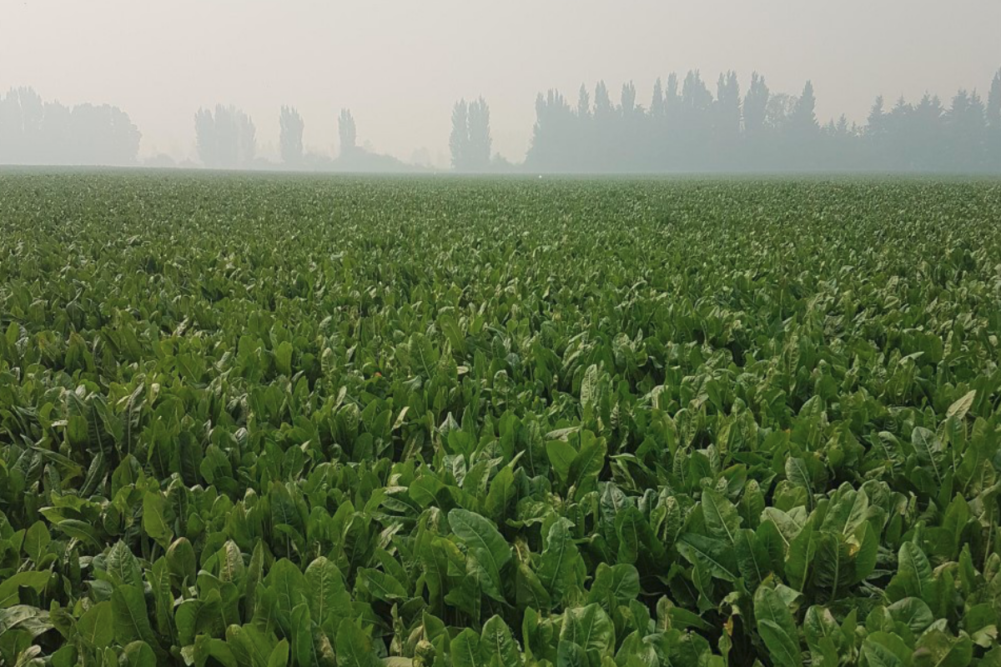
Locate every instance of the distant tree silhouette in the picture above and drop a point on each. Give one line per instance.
(993, 111)
(458, 141)
(480, 143)
(755, 106)
(583, 103)
(994, 102)
(627, 100)
(657, 104)
(803, 119)
(726, 117)
(695, 121)
(966, 125)
(554, 133)
(225, 139)
(290, 137)
(801, 130)
(33, 131)
(470, 141)
(926, 140)
(347, 133)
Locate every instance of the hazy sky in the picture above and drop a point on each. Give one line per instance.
(400, 64)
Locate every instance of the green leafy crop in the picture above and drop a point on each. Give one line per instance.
(272, 421)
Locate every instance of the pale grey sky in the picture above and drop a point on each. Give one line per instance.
(400, 64)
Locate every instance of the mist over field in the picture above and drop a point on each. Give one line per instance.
(400, 68)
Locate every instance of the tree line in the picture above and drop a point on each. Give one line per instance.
(686, 127)
(225, 138)
(36, 132)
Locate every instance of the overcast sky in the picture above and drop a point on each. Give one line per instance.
(400, 64)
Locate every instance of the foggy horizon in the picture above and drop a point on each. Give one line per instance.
(400, 68)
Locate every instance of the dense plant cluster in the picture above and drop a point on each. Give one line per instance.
(290, 421)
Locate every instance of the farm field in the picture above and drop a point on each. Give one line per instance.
(289, 420)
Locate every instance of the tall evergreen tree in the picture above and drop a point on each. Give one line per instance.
(555, 145)
(756, 106)
(627, 100)
(875, 121)
(347, 133)
(966, 123)
(206, 140)
(695, 121)
(657, 107)
(290, 136)
(603, 108)
(583, 103)
(458, 142)
(994, 122)
(994, 103)
(803, 120)
(672, 120)
(926, 133)
(672, 99)
(727, 113)
(479, 143)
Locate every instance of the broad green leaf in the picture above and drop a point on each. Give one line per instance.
(354, 648)
(181, 560)
(561, 456)
(325, 591)
(154, 522)
(496, 643)
(752, 558)
(823, 636)
(938, 649)
(97, 625)
(589, 627)
(9, 588)
(206, 647)
(279, 656)
(614, 585)
(882, 649)
(288, 583)
(381, 586)
(587, 464)
(777, 628)
(912, 612)
(487, 545)
(801, 556)
(122, 566)
(570, 654)
(833, 565)
(914, 575)
(465, 649)
(556, 570)
(721, 516)
(130, 615)
(30, 619)
(36, 541)
(962, 405)
(712, 553)
(138, 654)
(249, 646)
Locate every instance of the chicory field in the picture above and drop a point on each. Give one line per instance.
(277, 420)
